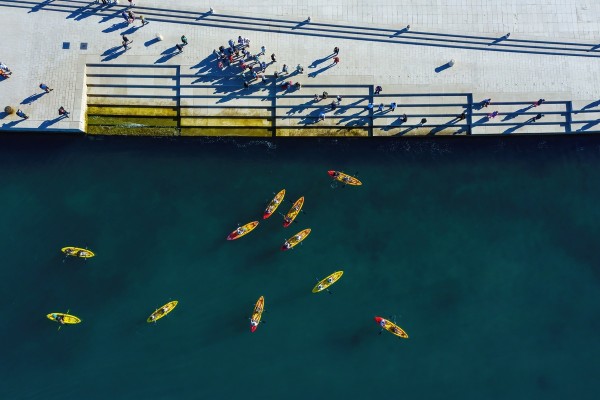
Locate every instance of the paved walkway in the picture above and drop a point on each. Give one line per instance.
(553, 51)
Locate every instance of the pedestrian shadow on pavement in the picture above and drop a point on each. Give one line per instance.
(514, 128)
(516, 113)
(132, 29)
(150, 42)
(167, 55)
(500, 39)
(112, 53)
(591, 105)
(400, 32)
(115, 27)
(481, 121)
(12, 123)
(319, 61)
(204, 15)
(206, 65)
(301, 24)
(596, 47)
(315, 73)
(116, 14)
(443, 67)
(33, 98)
(404, 132)
(3, 114)
(299, 107)
(38, 7)
(439, 128)
(51, 122)
(589, 125)
(312, 117)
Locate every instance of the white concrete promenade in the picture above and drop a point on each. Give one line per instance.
(546, 55)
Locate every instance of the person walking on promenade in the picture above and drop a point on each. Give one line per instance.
(284, 69)
(240, 41)
(21, 114)
(300, 69)
(539, 102)
(325, 95)
(231, 44)
(492, 115)
(184, 40)
(393, 106)
(336, 60)
(125, 16)
(370, 106)
(45, 88)
(486, 102)
(131, 3)
(378, 89)
(143, 20)
(380, 108)
(4, 68)
(404, 118)
(124, 44)
(423, 121)
(273, 57)
(336, 50)
(126, 39)
(62, 112)
(179, 47)
(130, 17)
(321, 116)
(263, 50)
(317, 97)
(462, 116)
(339, 99)
(536, 118)
(333, 105)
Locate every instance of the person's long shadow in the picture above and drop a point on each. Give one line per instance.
(480, 121)
(300, 24)
(116, 14)
(589, 125)
(51, 122)
(443, 67)
(12, 123)
(319, 61)
(343, 108)
(440, 128)
(516, 113)
(395, 124)
(115, 27)
(514, 128)
(150, 42)
(299, 107)
(132, 29)
(312, 117)
(404, 132)
(591, 105)
(596, 47)
(500, 39)
(33, 98)
(79, 11)
(112, 53)
(315, 73)
(400, 32)
(3, 114)
(39, 6)
(205, 65)
(167, 55)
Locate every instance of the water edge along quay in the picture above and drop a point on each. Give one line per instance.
(435, 75)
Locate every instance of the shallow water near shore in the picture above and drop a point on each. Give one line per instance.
(483, 249)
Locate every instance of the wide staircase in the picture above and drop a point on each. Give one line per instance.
(156, 100)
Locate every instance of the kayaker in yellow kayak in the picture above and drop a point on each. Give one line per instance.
(60, 319)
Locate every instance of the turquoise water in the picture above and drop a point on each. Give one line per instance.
(483, 250)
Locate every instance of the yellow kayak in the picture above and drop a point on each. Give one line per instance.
(326, 282)
(77, 252)
(161, 312)
(344, 178)
(294, 240)
(391, 327)
(274, 204)
(66, 318)
(259, 307)
(242, 230)
(293, 213)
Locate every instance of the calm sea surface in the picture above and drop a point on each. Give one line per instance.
(484, 250)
